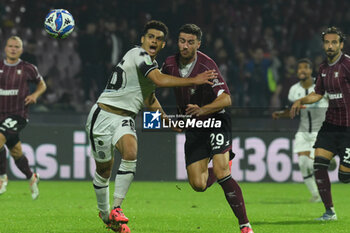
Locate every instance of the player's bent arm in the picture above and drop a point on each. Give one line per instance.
(309, 99)
(218, 104)
(40, 89)
(164, 80)
(281, 114)
(153, 104)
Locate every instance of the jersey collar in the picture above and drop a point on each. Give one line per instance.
(332, 64)
(14, 64)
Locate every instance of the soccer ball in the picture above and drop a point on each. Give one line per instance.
(59, 23)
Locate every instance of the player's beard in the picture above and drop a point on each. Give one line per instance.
(331, 54)
(188, 56)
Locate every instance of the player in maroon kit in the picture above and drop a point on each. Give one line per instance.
(204, 102)
(334, 135)
(15, 98)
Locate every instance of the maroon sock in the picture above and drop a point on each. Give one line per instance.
(234, 197)
(211, 177)
(324, 187)
(23, 165)
(3, 161)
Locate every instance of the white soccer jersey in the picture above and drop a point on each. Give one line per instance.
(128, 85)
(312, 117)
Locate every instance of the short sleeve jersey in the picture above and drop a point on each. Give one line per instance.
(312, 117)
(198, 94)
(14, 88)
(128, 84)
(335, 80)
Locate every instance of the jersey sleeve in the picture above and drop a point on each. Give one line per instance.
(33, 74)
(164, 68)
(347, 71)
(291, 97)
(144, 62)
(219, 85)
(319, 88)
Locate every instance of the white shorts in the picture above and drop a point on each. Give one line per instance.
(304, 141)
(107, 129)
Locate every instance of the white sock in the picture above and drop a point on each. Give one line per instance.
(101, 186)
(123, 179)
(245, 225)
(306, 169)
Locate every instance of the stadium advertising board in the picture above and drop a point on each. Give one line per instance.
(62, 153)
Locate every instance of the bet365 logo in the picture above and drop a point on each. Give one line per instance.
(347, 156)
(151, 120)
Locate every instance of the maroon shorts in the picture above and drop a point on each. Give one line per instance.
(10, 127)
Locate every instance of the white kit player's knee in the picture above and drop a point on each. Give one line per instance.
(305, 166)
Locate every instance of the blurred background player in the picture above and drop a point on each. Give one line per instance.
(15, 98)
(334, 135)
(206, 101)
(110, 124)
(311, 119)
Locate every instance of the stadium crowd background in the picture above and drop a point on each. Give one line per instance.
(255, 43)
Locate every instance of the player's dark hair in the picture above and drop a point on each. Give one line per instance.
(191, 29)
(305, 60)
(334, 30)
(158, 25)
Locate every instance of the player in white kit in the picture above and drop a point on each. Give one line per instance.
(311, 119)
(110, 124)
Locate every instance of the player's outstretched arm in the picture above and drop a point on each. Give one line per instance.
(281, 114)
(299, 104)
(164, 80)
(218, 104)
(40, 89)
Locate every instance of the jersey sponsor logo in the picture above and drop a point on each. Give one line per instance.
(323, 75)
(8, 92)
(192, 90)
(336, 74)
(1, 71)
(151, 120)
(148, 60)
(19, 72)
(335, 96)
(216, 82)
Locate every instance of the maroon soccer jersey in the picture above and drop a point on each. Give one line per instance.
(335, 80)
(199, 94)
(14, 87)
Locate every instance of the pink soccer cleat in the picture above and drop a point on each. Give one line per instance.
(247, 230)
(124, 228)
(121, 228)
(117, 216)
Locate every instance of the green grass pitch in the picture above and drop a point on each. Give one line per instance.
(169, 207)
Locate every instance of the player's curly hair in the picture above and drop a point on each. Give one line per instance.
(191, 29)
(334, 30)
(305, 60)
(158, 25)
